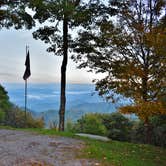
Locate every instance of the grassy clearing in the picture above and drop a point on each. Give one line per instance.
(114, 153)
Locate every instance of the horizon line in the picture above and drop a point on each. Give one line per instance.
(46, 83)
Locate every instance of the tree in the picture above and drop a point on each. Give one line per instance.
(4, 99)
(119, 127)
(4, 103)
(63, 16)
(13, 14)
(130, 51)
(11, 115)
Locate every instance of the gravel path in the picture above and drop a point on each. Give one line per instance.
(19, 148)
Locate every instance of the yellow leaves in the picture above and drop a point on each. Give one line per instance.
(144, 110)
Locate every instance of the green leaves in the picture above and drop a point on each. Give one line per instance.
(13, 13)
(78, 15)
(5, 105)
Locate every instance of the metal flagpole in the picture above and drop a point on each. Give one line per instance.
(26, 89)
(25, 98)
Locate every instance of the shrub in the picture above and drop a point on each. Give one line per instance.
(15, 117)
(118, 126)
(91, 124)
(158, 131)
(69, 126)
(4, 100)
(138, 134)
(2, 116)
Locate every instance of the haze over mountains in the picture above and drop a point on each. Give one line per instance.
(43, 100)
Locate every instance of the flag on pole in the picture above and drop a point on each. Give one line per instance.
(27, 72)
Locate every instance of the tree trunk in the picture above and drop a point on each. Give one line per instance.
(145, 98)
(63, 76)
(148, 128)
(145, 80)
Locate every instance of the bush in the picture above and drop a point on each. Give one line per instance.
(4, 100)
(138, 134)
(2, 116)
(114, 125)
(69, 126)
(118, 126)
(15, 117)
(158, 131)
(91, 124)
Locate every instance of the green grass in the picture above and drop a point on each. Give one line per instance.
(115, 153)
(125, 154)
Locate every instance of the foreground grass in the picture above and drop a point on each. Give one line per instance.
(114, 153)
(126, 154)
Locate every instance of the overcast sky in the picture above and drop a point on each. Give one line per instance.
(45, 67)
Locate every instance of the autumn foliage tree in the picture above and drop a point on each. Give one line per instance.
(130, 50)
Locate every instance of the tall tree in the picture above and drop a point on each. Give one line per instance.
(64, 17)
(129, 49)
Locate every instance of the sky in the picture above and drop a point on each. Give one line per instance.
(45, 67)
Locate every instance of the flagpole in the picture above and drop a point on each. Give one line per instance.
(26, 91)
(26, 75)
(25, 98)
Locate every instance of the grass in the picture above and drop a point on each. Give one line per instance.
(125, 154)
(114, 153)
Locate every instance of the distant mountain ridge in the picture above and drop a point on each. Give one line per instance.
(76, 112)
(43, 100)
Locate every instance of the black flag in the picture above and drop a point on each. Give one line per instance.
(27, 72)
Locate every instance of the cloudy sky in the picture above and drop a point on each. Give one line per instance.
(45, 67)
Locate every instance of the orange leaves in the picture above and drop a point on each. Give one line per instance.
(156, 39)
(144, 110)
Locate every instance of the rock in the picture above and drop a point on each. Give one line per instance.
(97, 137)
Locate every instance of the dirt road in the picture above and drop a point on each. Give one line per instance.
(19, 148)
